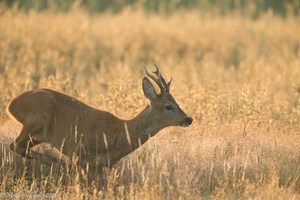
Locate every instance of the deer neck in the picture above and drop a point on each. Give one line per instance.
(142, 127)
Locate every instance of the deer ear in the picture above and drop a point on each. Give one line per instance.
(149, 90)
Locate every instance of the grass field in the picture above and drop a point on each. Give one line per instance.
(239, 78)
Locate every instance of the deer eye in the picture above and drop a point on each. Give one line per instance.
(168, 107)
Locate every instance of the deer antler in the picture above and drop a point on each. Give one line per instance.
(160, 81)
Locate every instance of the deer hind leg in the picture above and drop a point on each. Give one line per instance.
(44, 158)
(23, 145)
(26, 139)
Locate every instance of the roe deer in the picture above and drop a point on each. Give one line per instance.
(97, 137)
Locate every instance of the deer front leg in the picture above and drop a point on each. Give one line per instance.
(94, 165)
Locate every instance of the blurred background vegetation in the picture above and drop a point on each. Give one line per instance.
(249, 8)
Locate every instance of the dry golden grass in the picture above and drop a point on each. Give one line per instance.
(238, 78)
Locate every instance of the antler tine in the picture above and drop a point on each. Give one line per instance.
(157, 72)
(162, 80)
(157, 80)
(169, 85)
(159, 76)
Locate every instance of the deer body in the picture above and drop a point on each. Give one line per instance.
(96, 137)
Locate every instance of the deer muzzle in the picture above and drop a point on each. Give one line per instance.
(188, 120)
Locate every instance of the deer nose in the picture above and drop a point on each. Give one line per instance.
(187, 121)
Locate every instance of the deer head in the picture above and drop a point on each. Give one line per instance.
(162, 104)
